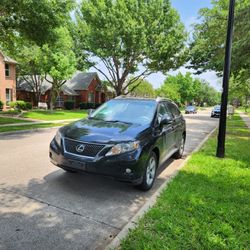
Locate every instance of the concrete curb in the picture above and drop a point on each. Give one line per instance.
(115, 243)
(28, 131)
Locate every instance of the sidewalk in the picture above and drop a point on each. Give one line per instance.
(245, 118)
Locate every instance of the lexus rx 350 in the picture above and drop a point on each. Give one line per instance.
(125, 138)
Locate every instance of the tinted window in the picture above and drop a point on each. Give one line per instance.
(162, 110)
(131, 111)
(174, 110)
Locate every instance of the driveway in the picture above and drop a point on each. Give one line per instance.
(42, 207)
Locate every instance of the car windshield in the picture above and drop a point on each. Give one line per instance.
(190, 107)
(217, 107)
(127, 111)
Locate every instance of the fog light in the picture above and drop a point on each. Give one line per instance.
(128, 171)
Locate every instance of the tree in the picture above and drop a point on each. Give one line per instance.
(169, 91)
(30, 68)
(239, 89)
(208, 43)
(130, 38)
(59, 62)
(33, 20)
(207, 95)
(142, 88)
(185, 89)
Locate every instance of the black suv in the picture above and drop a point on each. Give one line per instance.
(125, 138)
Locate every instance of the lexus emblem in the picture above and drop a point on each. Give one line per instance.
(80, 148)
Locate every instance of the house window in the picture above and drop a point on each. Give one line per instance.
(7, 69)
(71, 98)
(60, 101)
(91, 97)
(8, 96)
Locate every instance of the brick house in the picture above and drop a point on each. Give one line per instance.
(81, 88)
(7, 79)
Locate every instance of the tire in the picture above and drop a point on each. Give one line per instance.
(180, 151)
(149, 173)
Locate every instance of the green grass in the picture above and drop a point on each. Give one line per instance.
(10, 112)
(207, 206)
(55, 115)
(29, 127)
(7, 120)
(242, 109)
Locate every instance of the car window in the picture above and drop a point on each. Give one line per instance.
(127, 110)
(162, 110)
(174, 110)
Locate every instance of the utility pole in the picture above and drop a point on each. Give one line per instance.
(226, 75)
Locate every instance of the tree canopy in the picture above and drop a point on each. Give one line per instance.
(208, 43)
(142, 88)
(185, 89)
(130, 38)
(31, 19)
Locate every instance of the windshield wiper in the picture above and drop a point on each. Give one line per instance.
(118, 121)
(94, 118)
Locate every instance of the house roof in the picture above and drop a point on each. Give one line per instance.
(7, 58)
(25, 83)
(81, 80)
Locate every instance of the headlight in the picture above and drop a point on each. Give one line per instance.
(123, 147)
(58, 138)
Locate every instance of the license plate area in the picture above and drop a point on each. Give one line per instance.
(77, 164)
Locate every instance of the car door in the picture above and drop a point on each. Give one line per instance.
(166, 132)
(177, 123)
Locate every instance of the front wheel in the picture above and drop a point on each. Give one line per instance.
(180, 151)
(149, 173)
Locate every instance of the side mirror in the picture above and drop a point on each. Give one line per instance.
(165, 120)
(90, 111)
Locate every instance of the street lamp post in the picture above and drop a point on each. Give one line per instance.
(226, 75)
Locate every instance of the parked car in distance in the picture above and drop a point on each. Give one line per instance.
(126, 138)
(190, 110)
(215, 111)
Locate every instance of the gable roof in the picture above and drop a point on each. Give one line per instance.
(7, 58)
(81, 80)
(22, 84)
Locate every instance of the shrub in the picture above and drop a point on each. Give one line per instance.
(12, 104)
(1, 105)
(20, 105)
(84, 105)
(28, 105)
(69, 105)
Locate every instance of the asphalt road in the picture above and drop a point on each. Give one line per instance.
(42, 207)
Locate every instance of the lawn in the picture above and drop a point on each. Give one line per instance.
(207, 206)
(55, 115)
(8, 120)
(29, 127)
(242, 109)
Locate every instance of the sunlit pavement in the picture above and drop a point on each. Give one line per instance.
(42, 207)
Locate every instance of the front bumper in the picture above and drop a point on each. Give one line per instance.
(215, 114)
(128, 167)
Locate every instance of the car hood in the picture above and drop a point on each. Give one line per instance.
(88, 130)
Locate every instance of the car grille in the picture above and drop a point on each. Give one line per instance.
(90, 150)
